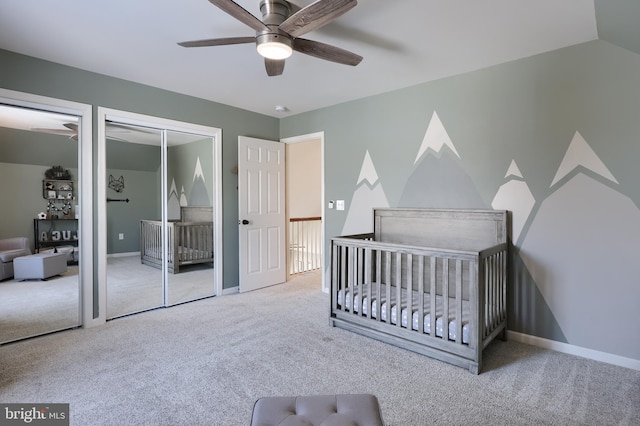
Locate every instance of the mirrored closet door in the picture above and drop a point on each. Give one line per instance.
(189, 203)
(134, 158)
(39, 233)
(160, 217)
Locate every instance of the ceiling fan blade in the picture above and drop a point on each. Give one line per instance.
(71, 126)
(241, 14)
(54, 131)
(217, 41)
(316, 15)
(274, 66)
(326, 52)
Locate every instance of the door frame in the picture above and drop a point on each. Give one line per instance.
(305, 138)
(85, 186)
(127, 117)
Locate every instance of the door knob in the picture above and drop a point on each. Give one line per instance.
(244, 222)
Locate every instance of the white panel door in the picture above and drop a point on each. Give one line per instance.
(261, 213)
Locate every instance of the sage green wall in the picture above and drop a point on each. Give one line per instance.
(31, 75)
(529, 111)
(142, 189)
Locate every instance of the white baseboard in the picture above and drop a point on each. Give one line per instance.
(566, 348)
(231, 290)
(133, 253)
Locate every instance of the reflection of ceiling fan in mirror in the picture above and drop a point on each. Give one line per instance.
(71, 130)
(277, 34)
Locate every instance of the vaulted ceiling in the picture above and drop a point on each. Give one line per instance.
(403, 43)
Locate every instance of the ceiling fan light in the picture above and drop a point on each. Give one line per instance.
(274, 50)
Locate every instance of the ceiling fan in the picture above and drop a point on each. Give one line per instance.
(277, 34)
(72, 131)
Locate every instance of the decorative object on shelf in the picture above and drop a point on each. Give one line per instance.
(51, 194)
(116, 184)
(42, 215)
(59, 211)
(58, 172)
(55, 233)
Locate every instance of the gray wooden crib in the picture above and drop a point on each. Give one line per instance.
(190, 240)
(418, 268)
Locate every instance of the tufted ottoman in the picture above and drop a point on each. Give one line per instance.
(39, 266)
(319, 410)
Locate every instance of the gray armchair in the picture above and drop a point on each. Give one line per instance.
(10, 248)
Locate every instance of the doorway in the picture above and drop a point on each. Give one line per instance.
(45, 149)
(162, 242)
(305, 201)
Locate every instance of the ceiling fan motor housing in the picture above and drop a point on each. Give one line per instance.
(274, 13)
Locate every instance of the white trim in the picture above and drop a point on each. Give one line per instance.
(231, 290)
(304, 138)
(566, 348)
(85, 185)
(129, 254)
(160, 123)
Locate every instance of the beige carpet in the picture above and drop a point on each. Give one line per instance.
(206, 362)
(34, 307)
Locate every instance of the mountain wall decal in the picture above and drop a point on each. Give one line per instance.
(581, 249)
(515, 196)
(368, 171)
(368, 195)
(435, 138)
(580, 153)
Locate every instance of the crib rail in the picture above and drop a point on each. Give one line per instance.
(188, 243)
(371, 279)
(192, 243)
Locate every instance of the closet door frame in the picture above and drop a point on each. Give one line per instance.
(135, 119)
(84, 112)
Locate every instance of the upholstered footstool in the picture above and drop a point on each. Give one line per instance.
(39, 266)
(319, 410)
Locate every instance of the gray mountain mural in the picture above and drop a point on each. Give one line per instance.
(439, 179)
(199, 195)
(566, 262)
(173, 206)
(368, 195)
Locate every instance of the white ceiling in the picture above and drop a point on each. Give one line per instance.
(403, 42)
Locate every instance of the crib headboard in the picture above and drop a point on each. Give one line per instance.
(196, 214)
(456, 229)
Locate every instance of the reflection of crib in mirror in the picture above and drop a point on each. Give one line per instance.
(190, 240)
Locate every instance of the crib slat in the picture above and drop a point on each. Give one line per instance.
(388, 287)
(398, 284)
(445, 298)
(378, 282)
(433, 290)
(344, 273)
(459, 325)
(410, 295)
(367, 278)
(420, 294)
